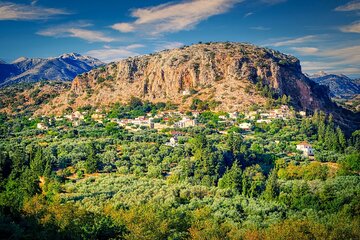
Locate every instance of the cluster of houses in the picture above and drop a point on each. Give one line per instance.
(185, 121)
(284, 112)
(139, 121)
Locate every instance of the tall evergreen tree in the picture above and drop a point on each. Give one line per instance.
(91, 161)
(231, 178)
(341, 139)
(272, 186)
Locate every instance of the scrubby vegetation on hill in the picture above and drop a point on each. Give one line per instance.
(93, 178)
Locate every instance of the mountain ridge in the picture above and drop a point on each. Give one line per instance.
(64, 67)
(340, 85)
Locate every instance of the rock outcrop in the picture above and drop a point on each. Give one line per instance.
(226, 73)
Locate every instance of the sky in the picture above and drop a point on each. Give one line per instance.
(323, 34)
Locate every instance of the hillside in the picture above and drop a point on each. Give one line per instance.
(28, 97)
(223, 72)
(229, 76)
(64, 67)
(340, 86)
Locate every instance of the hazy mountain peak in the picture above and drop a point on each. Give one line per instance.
(70, 55)
(64, 67)
(340, 85)
(20, 59)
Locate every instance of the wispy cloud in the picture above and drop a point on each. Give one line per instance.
(261, 28)
(350, 6)
(293, 41)
(14, 11)
(248, 14)
(352, 28)
(111, 54)
(174, 17)
(305, 50)
(76, 30)
(167, 45)
(337, 60)
(273, 2)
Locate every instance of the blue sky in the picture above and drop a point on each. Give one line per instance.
(323, 34)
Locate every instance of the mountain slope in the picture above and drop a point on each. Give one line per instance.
(28, 97)
(340, 86)
(228, 74)
(64, 67)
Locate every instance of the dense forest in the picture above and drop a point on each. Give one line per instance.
(99, 180)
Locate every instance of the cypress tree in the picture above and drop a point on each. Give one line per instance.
(272, 186)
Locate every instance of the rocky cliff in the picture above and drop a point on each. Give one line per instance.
(226, 73)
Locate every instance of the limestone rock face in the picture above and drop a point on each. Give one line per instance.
(221, 72)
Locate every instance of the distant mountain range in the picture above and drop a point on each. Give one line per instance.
(340, 86)
(64, 67)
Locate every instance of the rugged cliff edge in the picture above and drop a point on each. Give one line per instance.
(223, 72)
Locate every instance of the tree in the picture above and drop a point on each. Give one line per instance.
(37, 164)
(252, 181)
(232, 178)
(272, 186)
(331, 140)
(341, 139)
(284, 99)
(5, 165)
(91, 164)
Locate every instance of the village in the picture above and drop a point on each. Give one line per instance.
(179, 120)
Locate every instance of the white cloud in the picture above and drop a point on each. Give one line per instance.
(123, 27)
(293, 41)
(337, 60)
(14, 11)
(135, 46)
(352, 28)
(305, 50)
(248, 14)
(168, 45)
(109, 54)
(350, 6)
(76, 31)
(174, 17)
(261, 28)
(347, 55)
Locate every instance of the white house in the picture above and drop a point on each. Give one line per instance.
(306, 148)
(186, 122)
(41, 126)
(186, 92)
(233, 115)
(245, 126)
(173, 142)
(263, 121)
(302, 113)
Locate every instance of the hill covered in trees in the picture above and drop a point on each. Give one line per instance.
(87, 176)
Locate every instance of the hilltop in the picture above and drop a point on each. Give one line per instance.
(231, 74)
(227, 76)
